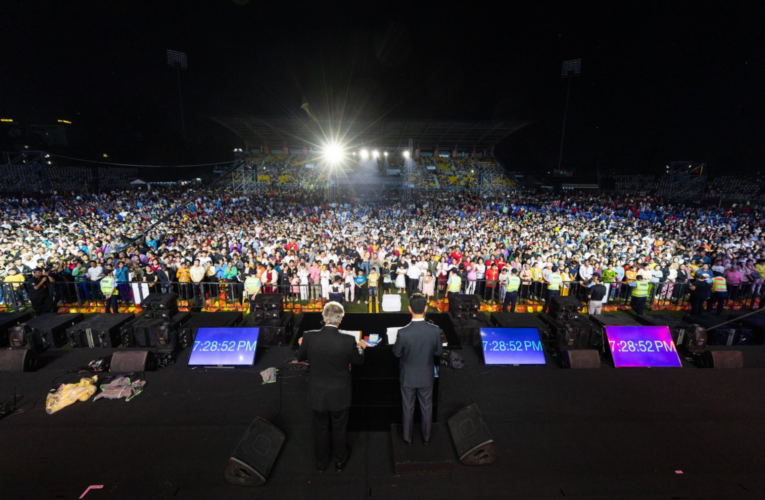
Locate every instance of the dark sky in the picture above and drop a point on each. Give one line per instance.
(661, 81)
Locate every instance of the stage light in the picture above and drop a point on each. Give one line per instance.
(364, 154)
(333, 153)
(375, 154)
(406, 154)
(385, 153)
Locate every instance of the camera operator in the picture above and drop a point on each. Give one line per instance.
(39, 292)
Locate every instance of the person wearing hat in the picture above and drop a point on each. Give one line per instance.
(719, 293)
(109, 289)
(595, 295)
(700, 291)
(511, 294)
(39, 291)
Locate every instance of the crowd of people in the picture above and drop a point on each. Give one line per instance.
(200, 242)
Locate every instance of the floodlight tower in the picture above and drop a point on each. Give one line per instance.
(570, 69)
(177, 60)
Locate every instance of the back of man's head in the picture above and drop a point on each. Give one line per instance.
(333, 313)
(418, 302)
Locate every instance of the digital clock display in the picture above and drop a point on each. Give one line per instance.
(642, 346)
(224, 347)
(512, 346)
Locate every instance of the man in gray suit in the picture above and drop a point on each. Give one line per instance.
(417, 345)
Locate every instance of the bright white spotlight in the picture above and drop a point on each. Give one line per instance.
(406, 154)
(385, 153)
(364, 154)
(375, 154)
(333, 153)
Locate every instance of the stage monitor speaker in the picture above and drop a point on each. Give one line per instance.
(565, 303)
(160, 305)
(269, 302)
(18, 360)
(130, 361)
(471, 436)
(464, 303)
(581, 358)
(255, 455)
(721, 359)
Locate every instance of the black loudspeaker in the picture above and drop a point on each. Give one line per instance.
(269, 302)
(567, 303)
(581, 358)
(254, 456)
(130, 361)
(160, 305)
(464, 303)
(721, 359)
(18, 360)
(472, 439)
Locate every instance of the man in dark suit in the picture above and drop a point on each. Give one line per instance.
(417, 345)
(330, 354)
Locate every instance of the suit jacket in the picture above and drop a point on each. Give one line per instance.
(330, 353)
(417, 344)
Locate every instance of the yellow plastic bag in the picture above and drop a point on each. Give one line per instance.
(67, 394)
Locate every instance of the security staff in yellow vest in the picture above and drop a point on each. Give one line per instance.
(454, 285)
(553, 287)
(252, 287)
(109, 289)
(639, 294)
(372, 285)
(511, 294)
(719, 293)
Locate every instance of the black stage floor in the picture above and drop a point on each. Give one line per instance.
(595, 434)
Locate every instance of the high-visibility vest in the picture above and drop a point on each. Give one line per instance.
(107, 286)
(718, 284)
(252, 285)
(555, 281)
(513, 283)
(372, 281)
(641, 289)
(455, 284)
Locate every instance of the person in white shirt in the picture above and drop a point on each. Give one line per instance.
(413, 273)
(350, 288)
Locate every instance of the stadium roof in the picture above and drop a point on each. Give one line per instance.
(394, 134)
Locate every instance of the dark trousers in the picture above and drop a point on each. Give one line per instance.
(697, 305)
(199, 294)
(638, 304)
(374, 307)
(41, 305)
(425, 398)
(510, 299)
(548, 298)
(112, 303)
(413, 284)
(338, 422)
(719, 299)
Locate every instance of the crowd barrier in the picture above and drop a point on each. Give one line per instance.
(86, 296)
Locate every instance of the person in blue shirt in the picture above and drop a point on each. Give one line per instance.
(121, 275)
(360, 280)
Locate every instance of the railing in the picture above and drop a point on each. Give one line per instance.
(231, 294)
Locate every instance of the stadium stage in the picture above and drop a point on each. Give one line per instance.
(607, 433)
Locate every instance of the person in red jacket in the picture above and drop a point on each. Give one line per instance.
(491, 279)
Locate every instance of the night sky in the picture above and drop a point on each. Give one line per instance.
(661, 81)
